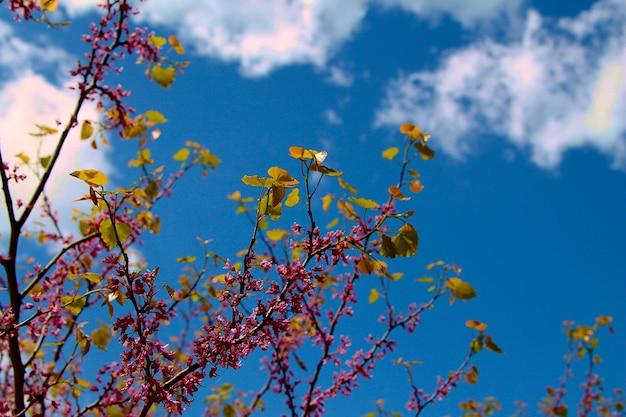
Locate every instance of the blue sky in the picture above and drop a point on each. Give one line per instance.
(525, 101)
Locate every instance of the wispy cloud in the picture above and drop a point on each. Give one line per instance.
(468, 13)
(332, 118)
(340, 77)
(560, 86)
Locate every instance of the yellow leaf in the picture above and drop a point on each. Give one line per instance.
(411, 130)
(234, 196)
(49, 5)
(477, 325)
(301, 153)
(374, 295)
(333, 223)
(24, 158)
(366, 266)
(326, 200)
(416, 186)
(173, 40)
(472, 376)
(293, 198)
(460, 289)
(255, 181)
(277, 234)
(86, 130)
(163, 76)
(390, 153)
(92, 177)
(181, 155)
(282, 176)
(397, 193)
(604, 320)
(347, 186)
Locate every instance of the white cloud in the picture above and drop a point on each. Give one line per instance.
(261, 35)
(26, 99)
(559, 87)
(265, 35)
(332, 118)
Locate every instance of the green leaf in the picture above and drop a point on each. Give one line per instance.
(390, 153)
(107, 233)
(181, 155)
(92, 177)
(255, 181)
(163, 76)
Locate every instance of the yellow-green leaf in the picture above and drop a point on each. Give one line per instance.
(255, 181)
(374, 295)
(363, 202)
(73, 304)
(390, 153)
(108, 234)
(472, 375)
(157, 40)
(86, 130)
(460, 289)
(406, 241)
(387, 248)
(89, 276)
(181, 155)
(92, 177)
(154, 116)
(163, 76)
(101, 337)
(45, 161)
(186, 259)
